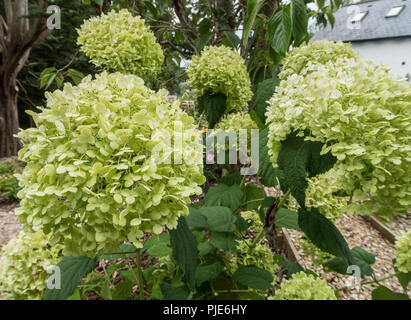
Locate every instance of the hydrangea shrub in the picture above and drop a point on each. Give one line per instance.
(119, 41)
(403, 252)
(104, 164)
(221, 70)
(359, 111)
(24, 265)
(304, 286)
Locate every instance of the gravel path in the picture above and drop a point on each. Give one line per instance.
(9, 225)
(360, 233)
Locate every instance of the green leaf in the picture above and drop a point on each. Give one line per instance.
(75, 296)
(292, 159)
(265, 91)
(214, 106)
(383, 293)
(324, 234)
(204, 248)
(267, 173)
(299, 20)
(280, 29)
(202, 42)
(253, 277)
(253, 196)
(225, 196)
(285, 218)
(362, 258)
(233, 38)
(123, 291)
(75, 75)
(231, 179)
(185, 252)
(172, 293)
(208, 272)
(253, 7)
(226, 241)
(291, 267)
(72, 270)
(158, 246)
(195, 220)
(219, 219)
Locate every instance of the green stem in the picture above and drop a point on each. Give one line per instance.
(140, 275)
(243, 181)
(251, 201)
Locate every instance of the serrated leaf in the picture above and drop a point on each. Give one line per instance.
(383, 293)
(267, 173)
(208, 272)
(265, 91)
(285, 218)
(220, 219)
(213, 106)
(226, 241)
(253, 277)
(280, 29)
(231, 179)
(253, 7)
(123, 291)
(324, 234)
(195, 220)
(72, 270)
(173, 293)
(185, 252)
(299, 21)
(253, 197)
(298, 159)
(225, 196)
(291, 267)
(158, 246)
(362, 259)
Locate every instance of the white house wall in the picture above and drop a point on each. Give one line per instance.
(390, 52)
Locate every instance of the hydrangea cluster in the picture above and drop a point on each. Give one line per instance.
(24, 265)
(360, 112)
(121, 42)
(234, 122)
(108, 161)
(252, 216)
(403, 252)
(321, 194)
(261, 256)
(220, 69)
(304, 286)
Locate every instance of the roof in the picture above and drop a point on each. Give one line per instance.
(373, 26)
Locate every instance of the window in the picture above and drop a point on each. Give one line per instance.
(359, 16)
(394, 11)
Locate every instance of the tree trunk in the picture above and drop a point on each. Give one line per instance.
(9, 121)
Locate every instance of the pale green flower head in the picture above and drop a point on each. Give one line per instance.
(220, 69)
(24, 265)
(234, 122)
(103, 164)
(118, 41)
(403, 252)
(254, 218)
(261, 256)
(321, 195)
(304, 286)
(361, 112)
